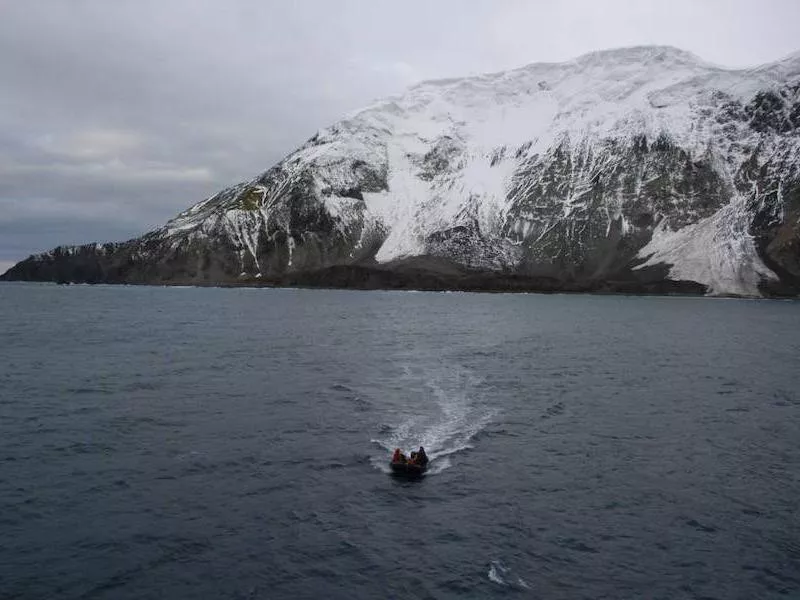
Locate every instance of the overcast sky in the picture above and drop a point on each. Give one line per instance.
(117, 114)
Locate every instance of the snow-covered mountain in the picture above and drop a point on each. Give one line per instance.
(642, 165)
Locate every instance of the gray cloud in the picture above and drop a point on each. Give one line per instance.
(114, 116)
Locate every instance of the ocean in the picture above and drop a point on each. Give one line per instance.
(234, 443)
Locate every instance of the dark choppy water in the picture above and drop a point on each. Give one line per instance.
(212, 443)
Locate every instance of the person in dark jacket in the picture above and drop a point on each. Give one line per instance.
(422, 458)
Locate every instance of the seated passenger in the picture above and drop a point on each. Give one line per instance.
(414, 458)
(398, 456)
(422, 458)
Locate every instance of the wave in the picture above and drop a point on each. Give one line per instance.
(503, 575)
(452, 410)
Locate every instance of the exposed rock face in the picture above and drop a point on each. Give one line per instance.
(641, 169)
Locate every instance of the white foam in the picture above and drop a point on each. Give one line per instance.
(502, 575)
(494, 575)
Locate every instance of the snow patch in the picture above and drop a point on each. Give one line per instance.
(716, 251)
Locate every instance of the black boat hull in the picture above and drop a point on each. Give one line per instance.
(407, 469)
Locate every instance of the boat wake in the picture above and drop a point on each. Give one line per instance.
(450, 411)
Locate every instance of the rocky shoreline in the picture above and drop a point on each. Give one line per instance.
(422, 274)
